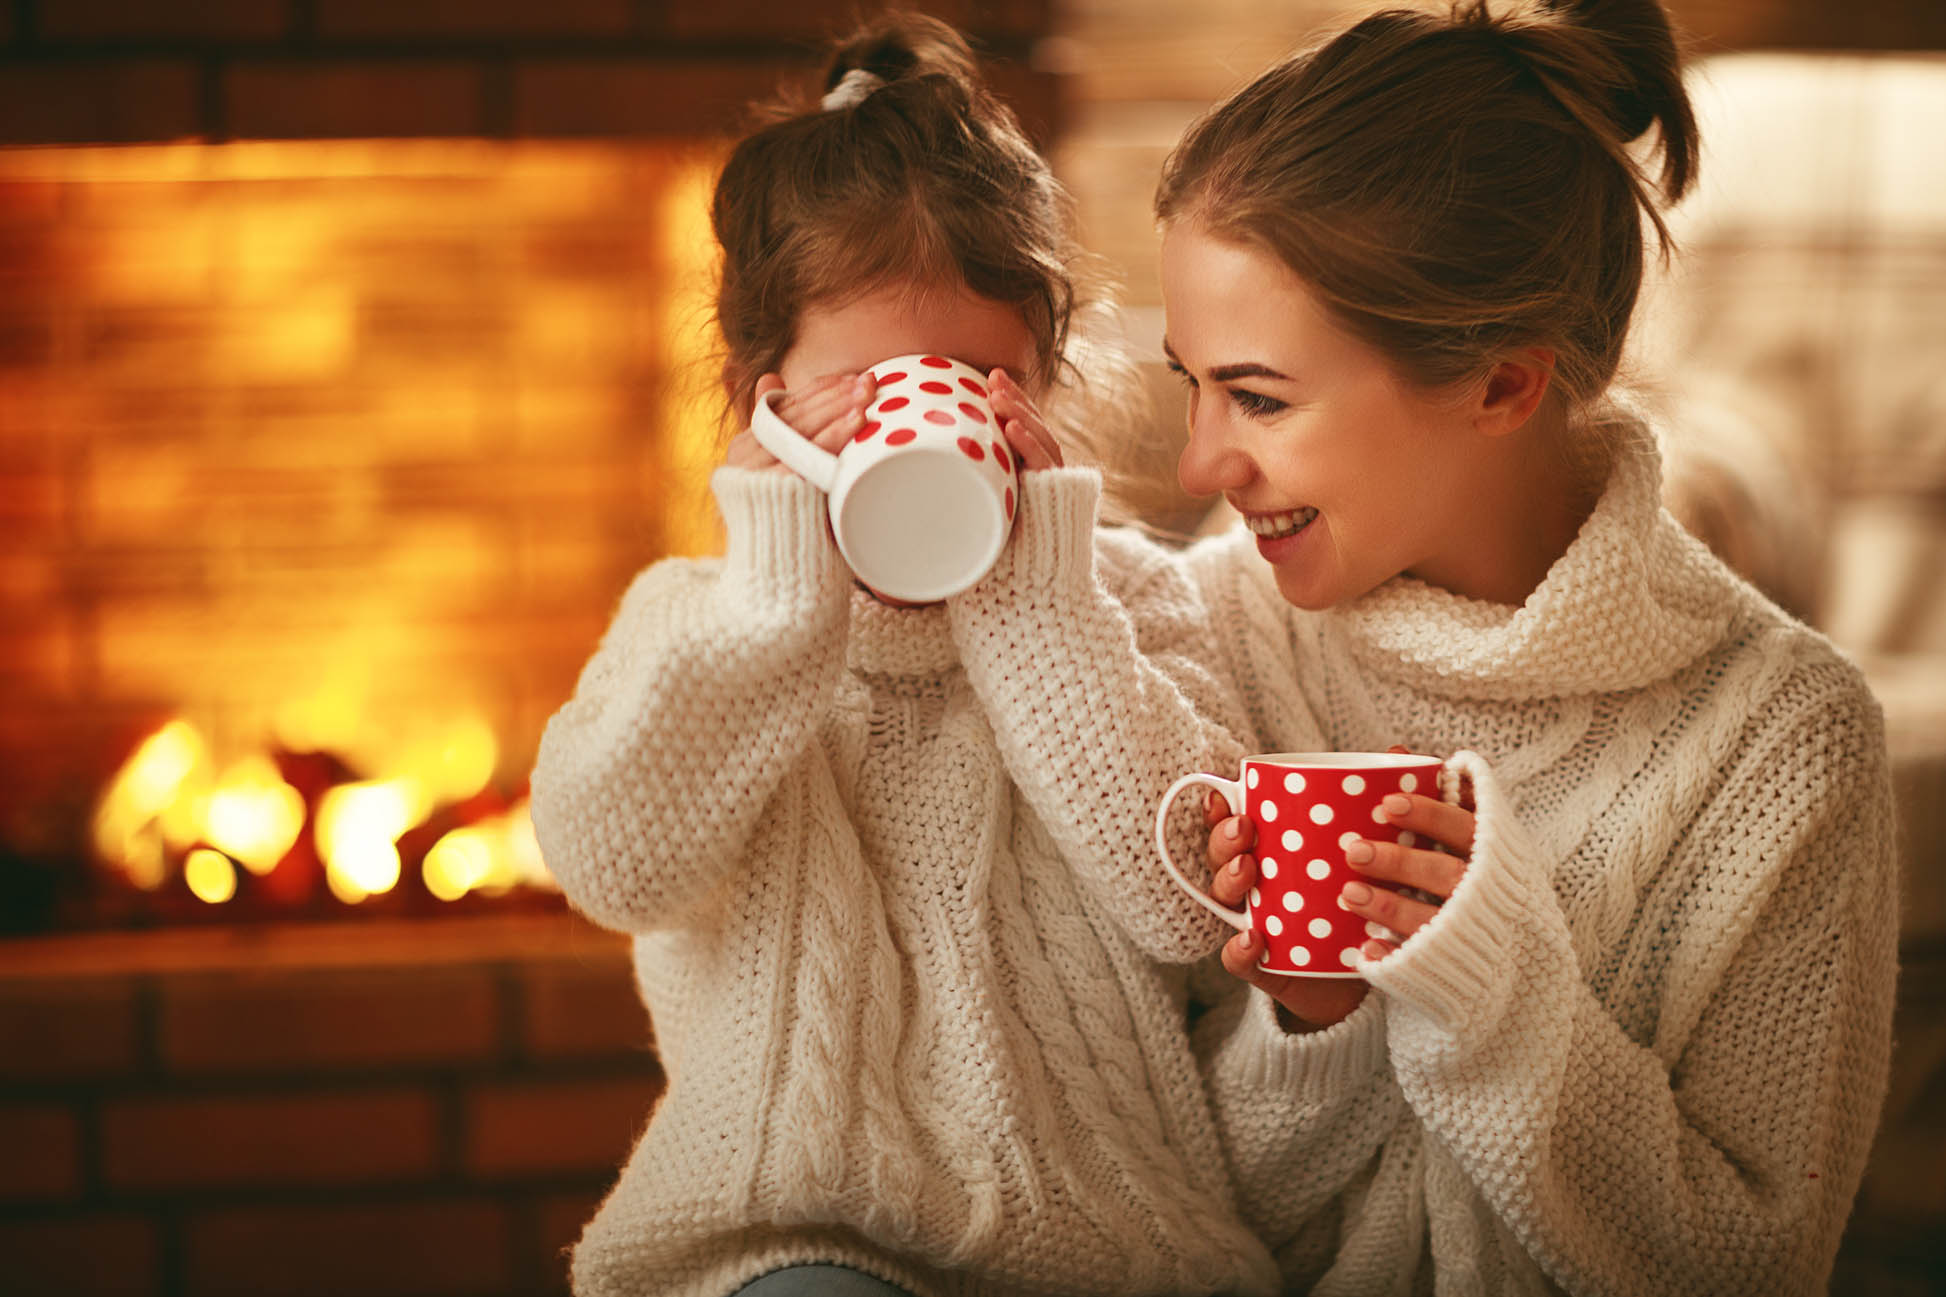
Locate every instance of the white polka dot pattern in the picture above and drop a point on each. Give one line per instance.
(1327, 942)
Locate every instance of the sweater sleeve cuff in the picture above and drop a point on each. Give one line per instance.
(1314, 1066)
(1457, 973)
(779, 544)
(1052, 545)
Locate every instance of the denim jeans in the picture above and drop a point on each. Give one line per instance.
(818, 1281)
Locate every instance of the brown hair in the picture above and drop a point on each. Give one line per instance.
(1456, 188)
(926, 179)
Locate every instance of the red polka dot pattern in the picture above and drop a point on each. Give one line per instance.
(939, 417)
(972, 412)
(896, 376)
(937, 362)
(1002, 458)
(973, 387)
(865, 433)
(892, 403)
(974, 451)
(936, 388)
(1010, 504)
(899, 437)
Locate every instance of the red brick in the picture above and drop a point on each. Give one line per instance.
(407, 1249)
(66, 1029)
(583, 1011)
(475, 18)
(576, 97)
(546, 1128)
(352, 100)
(826, 18)
(372, 1137)
(97, 103)
(559, 1220)
(42, 1159)
(80, 1256)
(125, 19)
(296, 1020)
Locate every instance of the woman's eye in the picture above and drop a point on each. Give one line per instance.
(1255, 404)
(1188, 379)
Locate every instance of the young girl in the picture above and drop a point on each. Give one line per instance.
(1627, 1032)
(905, 991)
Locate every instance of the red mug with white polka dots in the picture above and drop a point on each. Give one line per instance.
(923, 496)
(1307, 807)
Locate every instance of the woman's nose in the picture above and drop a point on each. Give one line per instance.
(1211, 462)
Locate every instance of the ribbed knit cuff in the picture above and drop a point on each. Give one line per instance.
(779, 542)
(1312, 1067)
(1458, 972)
(1052, 546)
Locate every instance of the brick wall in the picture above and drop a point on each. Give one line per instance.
(124, 71)
(408, 1109)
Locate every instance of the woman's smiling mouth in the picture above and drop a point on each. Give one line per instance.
(1276, 526)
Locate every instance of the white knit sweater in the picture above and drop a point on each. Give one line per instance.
(904, 990)
(1642, 1047)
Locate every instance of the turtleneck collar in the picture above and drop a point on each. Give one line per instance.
(899, 641)
(1633, 599)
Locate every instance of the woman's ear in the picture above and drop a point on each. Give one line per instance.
(1513, 391)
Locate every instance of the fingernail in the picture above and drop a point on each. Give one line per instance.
(1235, 868)
(1360, 852)
(1232, 829)
(1356, 894)
(1397, 804)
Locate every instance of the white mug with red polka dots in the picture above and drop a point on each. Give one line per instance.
(1307, 807)
(923, 496)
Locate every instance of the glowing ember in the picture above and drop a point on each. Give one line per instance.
(166, 806)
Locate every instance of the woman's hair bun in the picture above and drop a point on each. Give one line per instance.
(1650, 92)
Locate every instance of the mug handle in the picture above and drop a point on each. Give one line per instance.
(1232, 790)
(809, 460)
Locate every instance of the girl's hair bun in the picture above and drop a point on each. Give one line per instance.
(897, 46)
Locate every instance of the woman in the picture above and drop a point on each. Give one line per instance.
(1625, 1025)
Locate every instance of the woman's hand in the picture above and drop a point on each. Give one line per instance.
(1021, 423)
(1305, 1003)
(1400, 888)
(827, 410)
(1408, 884)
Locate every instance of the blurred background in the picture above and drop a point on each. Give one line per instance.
(353, 356)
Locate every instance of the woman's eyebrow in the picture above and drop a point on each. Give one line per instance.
(1229, 373)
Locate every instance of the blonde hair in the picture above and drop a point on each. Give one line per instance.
(1458, 187)
(916, 174)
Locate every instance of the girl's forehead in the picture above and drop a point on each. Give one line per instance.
(898, 319)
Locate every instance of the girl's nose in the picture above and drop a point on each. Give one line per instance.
(1212, 462)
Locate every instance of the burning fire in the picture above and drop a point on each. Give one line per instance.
(430, 807)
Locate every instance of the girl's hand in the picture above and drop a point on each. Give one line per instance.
(1021, 423)
(1304, 1003)
(828, 410)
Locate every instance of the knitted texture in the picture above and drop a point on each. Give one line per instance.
(909, 995)
(1642, 1047)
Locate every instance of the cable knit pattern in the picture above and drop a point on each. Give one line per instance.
(905, 987)
(1642, 1047)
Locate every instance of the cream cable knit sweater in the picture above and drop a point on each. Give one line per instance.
(904, 989)
(1643, 1046)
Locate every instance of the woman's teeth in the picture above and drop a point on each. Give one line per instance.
(1276, 526)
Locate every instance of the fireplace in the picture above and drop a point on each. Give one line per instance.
(327, 459)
